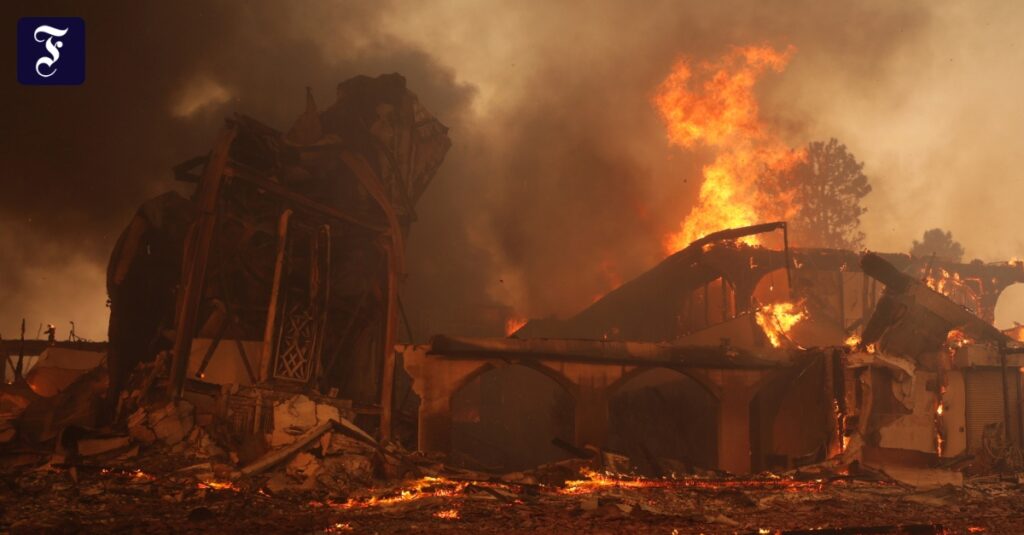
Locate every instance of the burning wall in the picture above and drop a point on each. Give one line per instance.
(708, 298)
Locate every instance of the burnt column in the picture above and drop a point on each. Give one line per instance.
(591, 413)
(738, 388)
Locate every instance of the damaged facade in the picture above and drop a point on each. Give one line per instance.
(254, 325)
(696, 355)
(280, 276)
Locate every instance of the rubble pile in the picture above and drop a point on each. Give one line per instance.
(328, 476)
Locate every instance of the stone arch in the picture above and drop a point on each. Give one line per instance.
(790, 417)
(696, 375)
(1009, 306)
(664, 420)
(772, 286)
(504, 416)
(489, 365)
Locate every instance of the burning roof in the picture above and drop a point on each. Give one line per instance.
(719, 277)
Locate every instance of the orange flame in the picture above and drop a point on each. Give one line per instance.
(218, 485)
(594, 481)
(415, 490)
(513, 324)
(956, 339)
(713, 104)
(852, 341)
(447, 514)
(960, 290)
(777, 320)
(1016, 333)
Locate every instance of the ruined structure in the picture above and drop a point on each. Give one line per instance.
(695, 346)
(280, 275)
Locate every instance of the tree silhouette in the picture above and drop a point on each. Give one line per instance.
(939, 243)
(826, 188)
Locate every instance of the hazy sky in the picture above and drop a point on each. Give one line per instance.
(560, 183)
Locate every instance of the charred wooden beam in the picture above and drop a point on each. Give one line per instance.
(395, 250)
(916, 293)
(12, 347)
(275, 295)
(302, 202)
(604, 352)
(197, 257)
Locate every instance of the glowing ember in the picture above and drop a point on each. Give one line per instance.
(956, 339)
(513, 324)
(852, 341)
(134, 474)
(416, 490)
(218, 485)
(840, 419)
(447, 514)
(712, 104)
(590, 482)
(777, 320)
(596, 481)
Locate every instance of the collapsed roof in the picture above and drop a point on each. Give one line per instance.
(717, 278)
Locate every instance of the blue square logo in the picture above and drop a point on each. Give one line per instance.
(51, 50)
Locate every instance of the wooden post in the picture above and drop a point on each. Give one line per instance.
(789, 259)
(197, 256)
(275, 296)
(21, 354)
(388, 373)
(840, 283)
(1007, 423)
(395, 250)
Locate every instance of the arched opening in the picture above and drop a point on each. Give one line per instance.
(1010, 307)
(505, 418)
(664, 421)
(790, 420)
(773, 287)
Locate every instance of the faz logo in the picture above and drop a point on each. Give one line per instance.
(51, 50)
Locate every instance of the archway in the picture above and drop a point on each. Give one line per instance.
(664, 421)
(790, 421)
(504, 419)
(773, 287)
(1010, 307)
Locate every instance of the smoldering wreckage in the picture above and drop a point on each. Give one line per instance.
(254, 376)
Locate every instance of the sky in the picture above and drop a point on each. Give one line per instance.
(560, 183)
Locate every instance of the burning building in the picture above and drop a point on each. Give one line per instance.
(744, 358)
(254, 333)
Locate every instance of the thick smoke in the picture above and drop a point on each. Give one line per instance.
(560, 182)
(160, 79)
